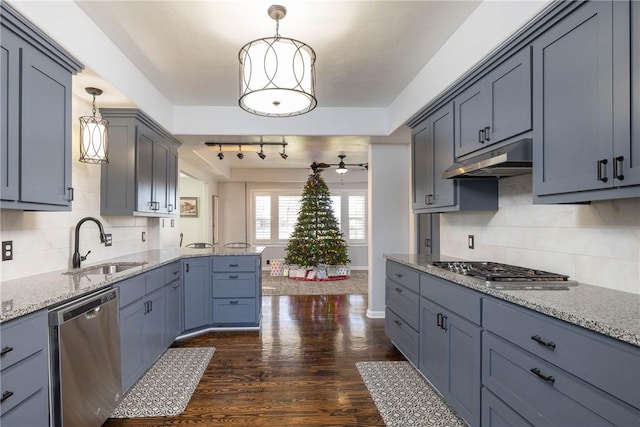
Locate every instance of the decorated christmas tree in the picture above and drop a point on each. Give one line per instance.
(316, 238)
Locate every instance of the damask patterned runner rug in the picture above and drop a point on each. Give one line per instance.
(167, 387)
(404, 398)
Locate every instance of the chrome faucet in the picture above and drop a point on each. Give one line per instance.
(104, 238)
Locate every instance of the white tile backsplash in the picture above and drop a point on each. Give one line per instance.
(597, 243)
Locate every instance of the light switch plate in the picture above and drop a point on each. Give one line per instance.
(108, 240)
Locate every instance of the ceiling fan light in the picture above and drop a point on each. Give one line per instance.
(342, 169)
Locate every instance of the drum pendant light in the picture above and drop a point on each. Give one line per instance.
(94, 138)
(277, 74)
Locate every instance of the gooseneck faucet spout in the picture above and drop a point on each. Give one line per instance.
(104, 238)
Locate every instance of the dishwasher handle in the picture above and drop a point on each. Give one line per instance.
(88, 306)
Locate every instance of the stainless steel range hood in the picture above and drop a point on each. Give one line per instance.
(510, 160)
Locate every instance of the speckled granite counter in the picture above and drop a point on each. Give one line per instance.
(29, 294)
(609, 312)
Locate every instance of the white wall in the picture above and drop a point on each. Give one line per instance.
(194, 229)
(598, 244)
(43, 241)
(389, 215)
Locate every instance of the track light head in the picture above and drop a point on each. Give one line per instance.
(284, 154)
(240, 155)
(220, 154)
(261, 153)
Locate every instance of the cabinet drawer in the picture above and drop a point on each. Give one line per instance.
(23, 337)
(234, 285)
(405, 338)
(131, 290)
(404, 275)
(403, 302)
(232, 311)
(24, 379)
(608, 364)
(172, 272)
(561, 399)
(154, 279)
(495, 413)
(456, 298)
(233, 263)
(34, 411)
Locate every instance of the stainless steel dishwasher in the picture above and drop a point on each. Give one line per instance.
(85, 360)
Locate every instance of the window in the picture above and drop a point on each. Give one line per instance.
(276, 213)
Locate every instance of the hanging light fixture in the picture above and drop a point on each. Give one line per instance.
(277, 74)
(342, 168)
(94, 135)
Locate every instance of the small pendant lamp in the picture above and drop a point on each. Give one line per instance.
(277, 74)
(94, 135)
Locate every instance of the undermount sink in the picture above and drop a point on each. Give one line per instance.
(110, 268)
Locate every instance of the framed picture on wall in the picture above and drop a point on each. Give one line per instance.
(189, 206)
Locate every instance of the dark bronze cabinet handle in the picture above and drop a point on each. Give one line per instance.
(6, 350)
(617, 168)
(235, 301)
(170, 206)
(549, 344)
(399, 290)
(187, 268)
(5, 395)
(444, 322)
(233, 265)
(439, 320)
(71, 193)
(481, 136)
(486, 133)
(602, 176)
(397, 322)
(398, 275)
(547, 378)
(233, 276)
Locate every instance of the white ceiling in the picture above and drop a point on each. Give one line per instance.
(367, 53)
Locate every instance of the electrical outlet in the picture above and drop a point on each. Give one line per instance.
(108, 239)
(471, 241)
(7, 250)
(144, 236)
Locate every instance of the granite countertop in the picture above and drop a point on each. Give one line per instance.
(29, 294)
(606, 311)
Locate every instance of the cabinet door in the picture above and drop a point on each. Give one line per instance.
(154, 331)
(174, 304)
(172, 189)
(433, 345)
(144, 170)
(631, 168)
(132, 320)
(197, 292)
(472, 116)
(422, 159)
(161, 176)
(495, 413)
(45, 152)
(573, 81)
(9, 95)
(509, 90)
(441, 130)
(464, 366)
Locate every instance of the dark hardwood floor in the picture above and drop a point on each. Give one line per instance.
(299, 370)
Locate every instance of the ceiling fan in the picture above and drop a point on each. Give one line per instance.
(341, 167)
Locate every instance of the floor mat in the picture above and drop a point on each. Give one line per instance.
(167, 387)
(404, 398)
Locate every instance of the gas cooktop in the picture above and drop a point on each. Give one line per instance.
(509, 277)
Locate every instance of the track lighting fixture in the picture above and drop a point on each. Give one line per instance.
(261, 153)
(230, 146)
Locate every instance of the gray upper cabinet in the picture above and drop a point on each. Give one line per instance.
(582, 102)
(36, 117)
(432, 153)
(142, 173)
(633, 170)
(495, 108)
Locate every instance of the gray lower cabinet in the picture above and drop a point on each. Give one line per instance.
(35, 130)
(450, 344)
(583, 147)
(197, 292)
(553, 373)
(24, 371)
(236, 290)
(495, 413)
(141, 176)
(495, 108)
(174, 296)
(432, 144)
(402, 314)
(142, 323)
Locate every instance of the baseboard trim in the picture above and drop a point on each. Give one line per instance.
(375, 314)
